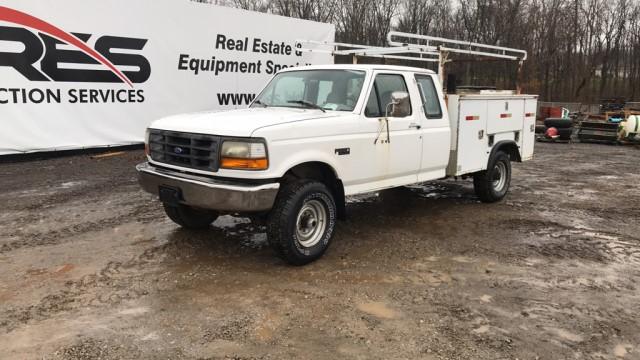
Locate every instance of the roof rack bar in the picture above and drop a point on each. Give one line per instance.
(356, 50)
(455, 46)
(399, 57)
(436, 49)
(480, 53)
(390, 50)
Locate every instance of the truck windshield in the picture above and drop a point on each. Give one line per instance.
(336, 90)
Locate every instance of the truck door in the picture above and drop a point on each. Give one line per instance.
(394, 158)
(435, 130)
(528, 129)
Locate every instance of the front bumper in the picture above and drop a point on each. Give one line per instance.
(207, 193)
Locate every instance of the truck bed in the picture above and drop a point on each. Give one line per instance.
(480, 121)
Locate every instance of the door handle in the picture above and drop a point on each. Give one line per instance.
(415, 126)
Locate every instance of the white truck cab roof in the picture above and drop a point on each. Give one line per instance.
(364, 67)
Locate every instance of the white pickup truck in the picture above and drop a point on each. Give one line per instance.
(319, 133)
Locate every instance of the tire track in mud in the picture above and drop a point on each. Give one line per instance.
(115, 282)
(61, 195)
(142, 213)
(557, 241)
(597, 246)
(91, 348)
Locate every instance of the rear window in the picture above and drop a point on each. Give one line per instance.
(429, 95)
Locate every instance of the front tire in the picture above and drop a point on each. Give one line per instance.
(492, 185)
(189, 217)
(302, 221)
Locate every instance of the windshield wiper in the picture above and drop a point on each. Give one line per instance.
(307, 104)
(260, 103)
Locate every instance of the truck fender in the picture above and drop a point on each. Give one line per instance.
(508, 146)
(332, 180)
(302, 157)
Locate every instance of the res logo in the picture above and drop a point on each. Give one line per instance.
(41, 39)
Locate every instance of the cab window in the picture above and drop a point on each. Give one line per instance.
(380, 95)
(429, 96)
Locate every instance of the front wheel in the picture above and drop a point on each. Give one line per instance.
(492, 185)
(302, 221)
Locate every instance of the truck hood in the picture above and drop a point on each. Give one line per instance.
(240, 123)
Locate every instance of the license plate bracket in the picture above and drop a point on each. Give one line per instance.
(170, 195)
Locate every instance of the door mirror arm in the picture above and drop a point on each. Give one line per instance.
(400, 106)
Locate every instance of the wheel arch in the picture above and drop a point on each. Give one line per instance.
(509, 147)
(324, 173)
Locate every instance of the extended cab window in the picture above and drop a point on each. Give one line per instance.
(380, 95)
(429, 95)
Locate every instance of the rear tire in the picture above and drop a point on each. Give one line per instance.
(302, 221)
(492, 185)
(189, 217)
(565, 133)
(558, 123)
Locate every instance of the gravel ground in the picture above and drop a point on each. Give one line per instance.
(90, 268)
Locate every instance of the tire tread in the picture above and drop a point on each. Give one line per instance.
(278, 222)
(482, 183)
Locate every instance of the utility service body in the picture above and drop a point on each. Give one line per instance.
(256, 45)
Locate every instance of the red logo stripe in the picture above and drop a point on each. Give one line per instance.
(20, 18)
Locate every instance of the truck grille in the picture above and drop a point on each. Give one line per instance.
(195, 151)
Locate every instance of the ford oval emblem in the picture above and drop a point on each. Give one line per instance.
(178, 150)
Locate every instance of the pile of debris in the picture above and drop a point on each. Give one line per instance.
(616, 122)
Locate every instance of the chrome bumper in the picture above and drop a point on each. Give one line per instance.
(207, 193)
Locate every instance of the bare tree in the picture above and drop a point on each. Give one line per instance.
(579, 50)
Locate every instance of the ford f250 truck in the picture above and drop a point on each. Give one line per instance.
(317, 134)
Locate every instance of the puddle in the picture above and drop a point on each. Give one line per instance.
(70, 184)
(255, 241)
(150, 336)
(228, 221)
(378, 309)
(481, 330)
(435, 191)
(566, 335)
(621, 350)
(462, 259)
(65, 268)
(363, 198)
(584, 244)
(135, 311)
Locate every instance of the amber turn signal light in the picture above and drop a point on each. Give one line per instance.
(244, 164)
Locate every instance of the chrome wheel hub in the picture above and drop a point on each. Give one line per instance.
(311, 223)
(499, 176)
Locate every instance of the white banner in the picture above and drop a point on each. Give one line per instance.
(88, 73)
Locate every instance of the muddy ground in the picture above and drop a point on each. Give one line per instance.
(90, 268)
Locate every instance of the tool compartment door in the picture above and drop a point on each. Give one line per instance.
(472, 138)
(505, 115)
(529, 129)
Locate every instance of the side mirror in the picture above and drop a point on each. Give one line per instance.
(399, 105)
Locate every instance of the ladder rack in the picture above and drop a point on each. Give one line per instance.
(416, 47)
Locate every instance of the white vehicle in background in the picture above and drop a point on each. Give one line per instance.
(317, 134)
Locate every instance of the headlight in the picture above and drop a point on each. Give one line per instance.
(243, 155)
